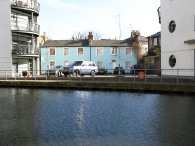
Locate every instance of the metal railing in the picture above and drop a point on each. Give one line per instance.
(24, 50)
(27, 4)
(25, 26)
(148, 76)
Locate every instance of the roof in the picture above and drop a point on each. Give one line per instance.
(192, 41)
(158, 34)
(95, 43)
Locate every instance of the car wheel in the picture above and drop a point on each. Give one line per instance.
(92, 73)
(76, 73)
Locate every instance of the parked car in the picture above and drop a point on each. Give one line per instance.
(135, 69)
(102, 71)
(56, 70)
(118, 71)
(80, 68)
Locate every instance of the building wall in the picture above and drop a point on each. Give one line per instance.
(182, 12)
(5, 36)
(107, 58)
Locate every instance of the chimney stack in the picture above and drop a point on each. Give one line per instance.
(90, 38)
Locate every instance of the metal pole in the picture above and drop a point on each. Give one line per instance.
(177, 76)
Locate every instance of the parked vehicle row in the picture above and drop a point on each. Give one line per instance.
(90, 68)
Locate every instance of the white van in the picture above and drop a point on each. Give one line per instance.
(81, 67)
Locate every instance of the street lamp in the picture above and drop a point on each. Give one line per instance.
(159, 14)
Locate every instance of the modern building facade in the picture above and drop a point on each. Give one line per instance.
(106, 53)
(177, 37)
(19, 32)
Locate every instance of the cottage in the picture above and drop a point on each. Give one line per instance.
(106, 53)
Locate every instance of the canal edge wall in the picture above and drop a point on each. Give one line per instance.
(99, 86)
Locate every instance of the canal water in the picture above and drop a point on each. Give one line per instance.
(48, 117)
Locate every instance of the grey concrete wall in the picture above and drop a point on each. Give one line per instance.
(100, 86)
(5, 36)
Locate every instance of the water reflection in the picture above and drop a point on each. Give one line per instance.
(68, 117)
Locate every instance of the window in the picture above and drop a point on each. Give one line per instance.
(99, 51)
(99, 64)
(51, 64)
(66, 63)
(172, 61)
(114, 51)
(194, 22)
(172, 26)
(155, 41)
(80, 51)
(128, 51)
(127, 64)
(66, 51)
(52, 51)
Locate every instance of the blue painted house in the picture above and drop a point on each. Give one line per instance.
(106, 53)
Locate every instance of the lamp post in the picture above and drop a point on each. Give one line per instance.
(159, 15)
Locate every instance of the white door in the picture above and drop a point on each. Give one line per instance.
(113, 64)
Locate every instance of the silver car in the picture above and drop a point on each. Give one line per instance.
(56, 70)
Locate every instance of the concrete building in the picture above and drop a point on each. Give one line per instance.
(178, 37)
(19, 31)
(105, 52)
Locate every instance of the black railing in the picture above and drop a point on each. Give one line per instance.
(28, 4)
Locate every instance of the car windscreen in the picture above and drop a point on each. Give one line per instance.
(57, 67)
(77, 63)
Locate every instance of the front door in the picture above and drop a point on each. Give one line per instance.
(113, 64)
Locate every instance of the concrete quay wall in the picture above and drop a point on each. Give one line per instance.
(99, 86)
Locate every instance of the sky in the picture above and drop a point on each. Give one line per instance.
(111, 19)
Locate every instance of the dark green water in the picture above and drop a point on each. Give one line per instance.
(41, 117)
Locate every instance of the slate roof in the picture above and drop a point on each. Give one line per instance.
(158, 34)
(95, 43)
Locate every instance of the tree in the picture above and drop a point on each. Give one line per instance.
(84, 35)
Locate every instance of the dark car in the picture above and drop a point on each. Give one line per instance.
(102, 71)
(67, 70)
(118, 71)
(135, 69)
(56, 70)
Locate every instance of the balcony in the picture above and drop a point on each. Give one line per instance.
(26, 4)
(25, 27)
(25, 50)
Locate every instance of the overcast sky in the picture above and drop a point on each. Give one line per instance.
(60, 19)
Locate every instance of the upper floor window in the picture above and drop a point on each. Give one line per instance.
(66, 51)
(128, 51)
(114, 51)
(172, 26)
(52, 51)
(80, 51)
(155, 41)
(99, 51)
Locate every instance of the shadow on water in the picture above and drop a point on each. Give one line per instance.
(102, 118)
